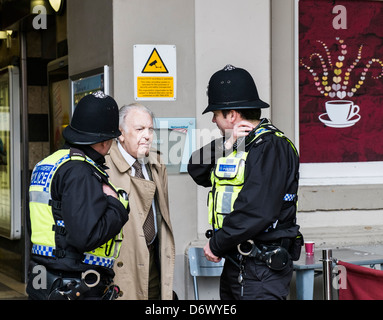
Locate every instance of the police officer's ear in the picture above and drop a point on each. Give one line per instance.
(231, 115)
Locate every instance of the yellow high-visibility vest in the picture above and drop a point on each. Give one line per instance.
(228, 178)
(43, 222)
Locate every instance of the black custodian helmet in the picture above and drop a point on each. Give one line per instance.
(95, 119)
(233, 88)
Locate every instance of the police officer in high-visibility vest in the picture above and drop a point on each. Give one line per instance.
(253, 175)
(75, 213)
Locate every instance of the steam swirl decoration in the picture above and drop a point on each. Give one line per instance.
(335, 81)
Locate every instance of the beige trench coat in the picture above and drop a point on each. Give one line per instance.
(132, 266)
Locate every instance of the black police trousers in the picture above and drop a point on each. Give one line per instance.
(259, 281)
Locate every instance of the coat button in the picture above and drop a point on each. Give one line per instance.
(120, 264)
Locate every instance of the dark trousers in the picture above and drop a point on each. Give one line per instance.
(260, 282)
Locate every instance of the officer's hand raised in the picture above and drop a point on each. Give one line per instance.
(240, 129)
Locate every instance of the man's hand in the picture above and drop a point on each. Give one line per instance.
(209, 255)
(241, 129)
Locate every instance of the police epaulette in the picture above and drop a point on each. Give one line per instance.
(74, 152)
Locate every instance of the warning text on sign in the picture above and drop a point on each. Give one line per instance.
(150, 87)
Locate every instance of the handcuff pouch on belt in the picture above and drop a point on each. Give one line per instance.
(74, 289)
(275, 257)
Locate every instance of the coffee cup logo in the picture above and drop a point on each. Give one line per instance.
(340, 114)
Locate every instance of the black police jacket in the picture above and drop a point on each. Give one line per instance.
(271, 171)
(91, 217)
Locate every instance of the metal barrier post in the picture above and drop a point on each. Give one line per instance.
(327, 273)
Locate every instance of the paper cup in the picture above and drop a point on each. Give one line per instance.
(309, 247)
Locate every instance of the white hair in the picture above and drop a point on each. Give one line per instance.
(124, 111)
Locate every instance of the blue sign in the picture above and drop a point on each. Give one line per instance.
(227, 167)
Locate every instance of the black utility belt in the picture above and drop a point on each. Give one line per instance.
(66, 287)
(276, 257)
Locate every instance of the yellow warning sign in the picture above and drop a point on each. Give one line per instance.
(155, 64)
(155, 72)
(151, 87)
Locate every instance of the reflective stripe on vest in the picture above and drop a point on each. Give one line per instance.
(43, 250)
(41, 215)
(227, 180)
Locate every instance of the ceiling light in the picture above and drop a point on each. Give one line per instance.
(57, 5)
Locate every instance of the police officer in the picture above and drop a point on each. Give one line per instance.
(76, 214)
(253, 175)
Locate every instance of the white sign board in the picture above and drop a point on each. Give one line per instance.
(155, 72)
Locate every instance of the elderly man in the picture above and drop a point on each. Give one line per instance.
(145, 267)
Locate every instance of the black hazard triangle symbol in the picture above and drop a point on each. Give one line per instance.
(155, 64)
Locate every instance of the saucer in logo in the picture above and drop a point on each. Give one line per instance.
(348, 123)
